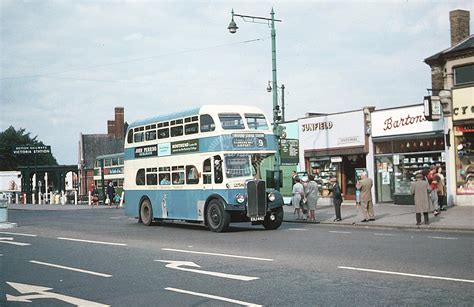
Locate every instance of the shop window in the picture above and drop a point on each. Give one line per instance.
(383, 147)
(140, 177)
(464, 142)
(464, 74)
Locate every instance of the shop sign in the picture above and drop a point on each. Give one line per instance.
(146, 151)
(289, 152)
(331, 131)
(336, 159)
(27, 150)
(184, 146)
(407, 120)
(463, 103)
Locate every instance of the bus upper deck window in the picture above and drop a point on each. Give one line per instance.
(130, 136)
(176, 131)
(231, 121)
(191, 128)
(150, 135)
(138, 137)
(256, 121)
(163, 133)
(207, 123)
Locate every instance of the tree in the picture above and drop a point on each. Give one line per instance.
(11, 138)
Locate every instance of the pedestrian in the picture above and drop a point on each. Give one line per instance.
(311, 196)
(298, 195)
(336, 198)
(367, 206)
(430, 177)
(95, 196)
(110, 193)
(421, 191)
(441, 189)
(293, 177)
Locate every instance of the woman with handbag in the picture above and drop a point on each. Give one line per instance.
(311, 196)
(298, 195)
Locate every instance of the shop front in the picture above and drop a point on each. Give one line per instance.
(404, 144)
(463, 125)
(334, 146)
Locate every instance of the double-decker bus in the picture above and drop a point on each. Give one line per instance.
(201, 165)
(109, 168)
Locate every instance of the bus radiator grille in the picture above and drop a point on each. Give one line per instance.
(256, 198)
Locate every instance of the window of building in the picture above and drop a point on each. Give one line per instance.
(231, 121)
(256, 121)
(191, 128)
(163, 133)
(140, 177)
(176, 131)
(464, 74)
(207, 123)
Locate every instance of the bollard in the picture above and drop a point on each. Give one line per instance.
(24, 198)
(89, 198)
(17, 198)
(9, 199)
(40, 198)
(63, 200)
(33, 198)
(51, 198)
(3, 211)
(121, 199)
(75, 197)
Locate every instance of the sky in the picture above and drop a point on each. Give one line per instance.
(65, 65)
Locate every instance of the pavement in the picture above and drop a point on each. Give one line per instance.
(456, 218)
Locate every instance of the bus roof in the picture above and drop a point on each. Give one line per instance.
(196, 111)
(114, 155)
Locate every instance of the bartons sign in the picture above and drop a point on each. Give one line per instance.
(409, 120)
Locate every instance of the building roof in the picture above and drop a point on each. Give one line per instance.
(466, 45)
(94, 145)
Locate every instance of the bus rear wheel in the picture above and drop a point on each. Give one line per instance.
(146, 212)
(273, 219)
(218, 219)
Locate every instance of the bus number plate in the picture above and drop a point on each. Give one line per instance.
(257, 218)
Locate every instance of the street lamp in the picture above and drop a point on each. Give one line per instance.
(276, 130)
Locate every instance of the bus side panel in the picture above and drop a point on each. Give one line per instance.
(132, 203)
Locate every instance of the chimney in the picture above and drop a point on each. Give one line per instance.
(119, 122)
(111, 127)
(459, 20)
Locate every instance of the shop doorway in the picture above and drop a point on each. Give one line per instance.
(384, 180)
(349, 165)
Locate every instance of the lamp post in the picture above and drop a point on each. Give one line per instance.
(276, 110)
(282, 88)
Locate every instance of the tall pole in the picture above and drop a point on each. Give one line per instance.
(275, 106)
(283, 103)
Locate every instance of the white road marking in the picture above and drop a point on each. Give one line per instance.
(299, 229)
(177, 265)
(70, 269)
(215, 254)
(335, 231)
(384, 234)
(8, 240)
(115, 217)
(18, 234)
(220, 298)
(407, 274)
(95, 242)
(443, 238)
(42, 292)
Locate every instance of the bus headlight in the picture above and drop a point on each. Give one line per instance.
(271, 197)
(240, 198)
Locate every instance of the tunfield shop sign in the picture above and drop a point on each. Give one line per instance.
(409, 120)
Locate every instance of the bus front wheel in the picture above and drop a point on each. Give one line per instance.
(146, 212)
(218, 219)
(273, 219)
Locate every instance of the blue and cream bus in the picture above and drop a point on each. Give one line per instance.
(201, 165)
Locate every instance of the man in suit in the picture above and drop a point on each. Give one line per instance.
(336, 199)
(366, 204)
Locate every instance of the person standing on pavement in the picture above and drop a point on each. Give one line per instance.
(336, 198)
(311, 195)
(421, 191)
(110, 193)
(441, 189)
(298, 195)
(95, 196)
(367, 206)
